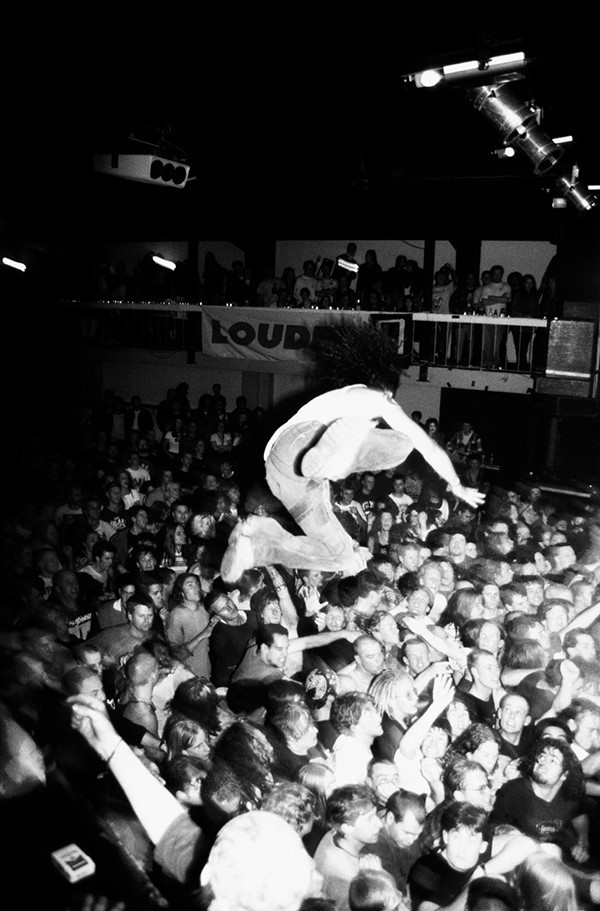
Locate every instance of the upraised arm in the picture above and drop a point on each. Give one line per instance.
(154, 806)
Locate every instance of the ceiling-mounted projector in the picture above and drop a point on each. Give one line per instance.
(144, 168)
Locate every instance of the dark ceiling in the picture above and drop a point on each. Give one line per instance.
(311, 137)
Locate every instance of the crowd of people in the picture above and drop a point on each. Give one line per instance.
(328, 667)
(343, 283)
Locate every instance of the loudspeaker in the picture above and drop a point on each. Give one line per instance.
(571, 358)
(144, 168)
(562, 386)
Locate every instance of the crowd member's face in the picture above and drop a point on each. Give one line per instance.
(142, 618)
(476, 790)
(313, 579)
(431, 578)
(388, 630)
(535, 593)
(491, 598)
(419, 602)
(368, 483)
(181, 514)
(125, 593)
(225, 609)
(93, 659)
(556, 619)
(486, 755)
(411, 559)
(384, 779)
(93, 687)
(490, 638)
(147, 561)
(457, 545)
(141, 520)
(275, 655)
(201, 747)
(371, 658)
(335, 619)
(416, 657)
(587, 732)
(365, 829)
(505, 574)
(404, 703)
(584, 647)
(462, 847)
(369, 722)
(487, 672)
(155, 592)
(405, 832)
(435, 743)
(513, 714)
(68, 586)
(458, 718)
(191, 588)
(272, 612)
(548, 768)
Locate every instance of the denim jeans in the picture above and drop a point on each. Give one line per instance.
(325, 544)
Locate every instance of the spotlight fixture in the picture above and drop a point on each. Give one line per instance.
(152, 169)
(507, 152)
(485, 70)
(428, 78)
(517, 123)
(576, 192)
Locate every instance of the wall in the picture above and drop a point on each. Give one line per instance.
(531, 256)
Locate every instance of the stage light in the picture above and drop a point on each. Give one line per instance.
(144, 168)
(508, 152)
(517, 123)
(165, 263)
(467, 67)
(13, 264)
(576, 193)
(428, 79)
(503, 59)
(483, 71)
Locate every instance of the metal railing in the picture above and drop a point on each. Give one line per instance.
(474, 342)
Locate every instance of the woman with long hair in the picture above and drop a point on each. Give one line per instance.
(378, 540)
(174, 549)
(481, 744)
(188, 624)
(525, 303)
(464, 605)
(184, 736)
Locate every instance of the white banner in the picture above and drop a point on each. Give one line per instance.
(265, 334)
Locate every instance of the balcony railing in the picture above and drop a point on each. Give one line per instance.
(480, 342)
(473, 342)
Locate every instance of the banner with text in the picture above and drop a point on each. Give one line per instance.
(265, 334)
